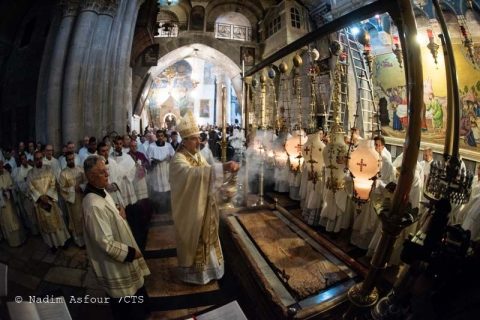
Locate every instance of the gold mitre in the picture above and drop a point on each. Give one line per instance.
(188, 125)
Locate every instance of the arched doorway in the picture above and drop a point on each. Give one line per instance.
(217, 67)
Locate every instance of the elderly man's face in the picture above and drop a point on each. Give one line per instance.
(192, 144)
(98, 175)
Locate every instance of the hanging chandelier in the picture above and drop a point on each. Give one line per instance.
(335, 152)
(294, 144)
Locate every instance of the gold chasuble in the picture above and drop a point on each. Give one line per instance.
(41, 182)
(195, 214)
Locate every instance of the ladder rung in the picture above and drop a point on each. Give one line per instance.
(360, 67)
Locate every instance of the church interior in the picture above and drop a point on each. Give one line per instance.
(353, 122)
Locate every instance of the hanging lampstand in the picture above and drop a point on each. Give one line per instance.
(432, 46)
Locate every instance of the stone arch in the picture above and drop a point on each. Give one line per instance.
(197, 18)
(250, 10)
(215, 52)
(167, 15)
(231, 50)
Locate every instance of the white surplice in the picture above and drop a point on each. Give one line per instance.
(159, 175)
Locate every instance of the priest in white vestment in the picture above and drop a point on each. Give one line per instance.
(365, 220)
(9, 159)
(159, 154)
(10, 224)
(114, 175)
(72, 181)
(195, 214)
(90, 150)
(127, 171)
(69, 147)
(471, 220)
(113, 253)
(50, 161)
(414, 199)
(205, 149)
(459, 213)
(24, 201)
(41, 184)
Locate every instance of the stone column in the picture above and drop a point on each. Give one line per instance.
(97, 76)
(76, 71)
(121, 73)
(56, 65)
(220, 81)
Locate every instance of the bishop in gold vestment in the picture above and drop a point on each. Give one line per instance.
(10, 224)
(194, 185)
(72, 181)
(41, 185)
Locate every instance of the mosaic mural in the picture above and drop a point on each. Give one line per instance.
(389, 82)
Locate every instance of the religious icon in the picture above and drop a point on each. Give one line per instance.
(151, 55)
(205, 108)
(247, 55)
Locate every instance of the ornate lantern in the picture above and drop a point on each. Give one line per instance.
(313, 154)
(294, 146)
(364, 166)
(334, 155)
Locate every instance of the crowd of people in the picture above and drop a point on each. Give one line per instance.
(102, 199)
(42, 194)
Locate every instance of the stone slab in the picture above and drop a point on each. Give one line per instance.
(161, 238)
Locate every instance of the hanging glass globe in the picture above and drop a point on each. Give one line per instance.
(364, 164)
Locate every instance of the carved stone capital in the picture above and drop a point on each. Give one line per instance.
(70, 7)
(108, 7)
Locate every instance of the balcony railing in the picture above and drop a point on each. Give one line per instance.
(233, 32)
(171, 29)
